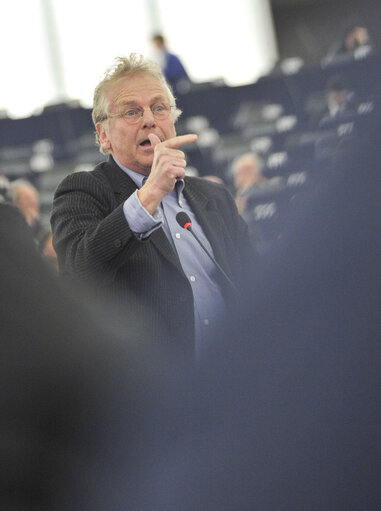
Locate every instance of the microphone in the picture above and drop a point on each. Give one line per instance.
(186, 223)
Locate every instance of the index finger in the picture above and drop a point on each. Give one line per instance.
(176, 142)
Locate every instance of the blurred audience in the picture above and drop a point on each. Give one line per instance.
(26, 199)
(255, 197)
(214, 179)
(45, 247)
(5, 190)
(250, 181)
(342, 103)
(355, 43)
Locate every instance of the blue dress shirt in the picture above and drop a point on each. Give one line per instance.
(209, 305)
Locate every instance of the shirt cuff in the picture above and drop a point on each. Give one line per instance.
(141, 223)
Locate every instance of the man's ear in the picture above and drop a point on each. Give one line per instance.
(103, 136)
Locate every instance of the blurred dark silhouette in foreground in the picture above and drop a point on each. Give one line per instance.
(79, 397)
(286, 414)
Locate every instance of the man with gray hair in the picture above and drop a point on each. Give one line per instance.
(26, 198)
(116, 226)
(249, 180)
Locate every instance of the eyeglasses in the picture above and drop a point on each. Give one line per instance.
(132, 115)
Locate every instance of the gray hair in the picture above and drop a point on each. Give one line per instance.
(251, 156)
(126, 66)
(19, 184)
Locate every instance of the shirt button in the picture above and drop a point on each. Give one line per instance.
(206, 322)
(192, 278)
(178, 235)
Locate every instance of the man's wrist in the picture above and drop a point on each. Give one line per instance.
(141, 222)
(149, 199)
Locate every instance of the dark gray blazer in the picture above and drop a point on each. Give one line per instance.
(94, 242)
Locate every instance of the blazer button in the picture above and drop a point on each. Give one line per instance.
(117, 243)
(183, 298)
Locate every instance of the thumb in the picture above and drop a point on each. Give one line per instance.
(154, 139)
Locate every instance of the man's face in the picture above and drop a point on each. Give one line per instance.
(337, 98)
(247, 173)
(28, 202)
(358, 37)
(129, 142)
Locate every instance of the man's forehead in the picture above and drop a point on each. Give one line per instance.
(132, 89)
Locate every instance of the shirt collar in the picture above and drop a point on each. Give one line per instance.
(137, 177)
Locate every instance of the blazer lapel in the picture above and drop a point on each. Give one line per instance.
(209, 219)
(161, 242)
(122, 185)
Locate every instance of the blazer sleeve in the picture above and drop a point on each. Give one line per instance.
(90, 233)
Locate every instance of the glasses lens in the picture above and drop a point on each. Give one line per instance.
(160, 111)
(132, 115)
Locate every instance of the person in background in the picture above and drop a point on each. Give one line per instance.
(5, 190)
(26, 199)
(355, 43)
(45, 247)
(250, 182)
(214, 179)
(171, 66)
(355, 37)
(341, 101)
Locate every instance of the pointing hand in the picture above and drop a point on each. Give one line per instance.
(168, 166)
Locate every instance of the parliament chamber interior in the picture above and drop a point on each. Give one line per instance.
(278, 118)
(281, 411)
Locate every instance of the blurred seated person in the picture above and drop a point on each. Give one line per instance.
(5, 191)
(214, 179)
(26, 199)
(78, 390)
(249, 181)
(355, 44)
(46, 249)
(171, 66)
(341, 101)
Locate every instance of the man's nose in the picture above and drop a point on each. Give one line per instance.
(148, 118)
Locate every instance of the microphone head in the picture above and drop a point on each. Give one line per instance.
(183, 220)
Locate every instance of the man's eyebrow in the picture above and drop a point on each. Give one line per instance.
(126, 103)
(160, 98)
(132, 102)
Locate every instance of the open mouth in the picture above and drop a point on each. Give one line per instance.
(145, 143)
